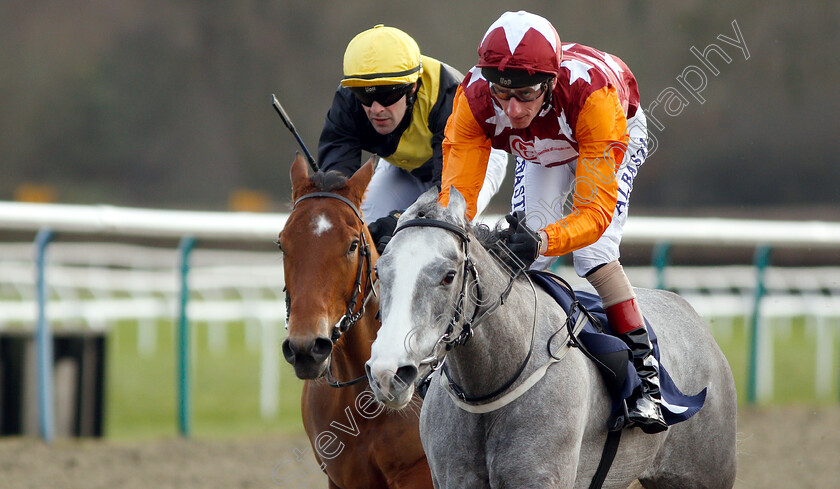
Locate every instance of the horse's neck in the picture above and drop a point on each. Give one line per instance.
(502, 340)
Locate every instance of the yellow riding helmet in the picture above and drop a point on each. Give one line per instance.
(381, 56)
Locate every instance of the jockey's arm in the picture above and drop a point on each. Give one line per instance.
(466, 149)
(340, 146)
(601, 136)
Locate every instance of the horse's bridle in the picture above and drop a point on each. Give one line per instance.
(436, 359)
(469, 268)
(351, 316)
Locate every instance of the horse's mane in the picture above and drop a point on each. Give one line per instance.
(328, 181)
(431, 210)
(491, 238)
(494, 240)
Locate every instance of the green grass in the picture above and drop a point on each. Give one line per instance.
(794, 364)
(141, 390)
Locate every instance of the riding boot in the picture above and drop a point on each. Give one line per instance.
(645, 406)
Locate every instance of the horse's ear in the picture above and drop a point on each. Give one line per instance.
(427, 197)
(457, 203)
(359, 181)
(299, 174)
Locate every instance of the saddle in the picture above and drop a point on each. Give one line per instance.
(612, 356)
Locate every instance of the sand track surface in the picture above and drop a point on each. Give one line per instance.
(777, 448)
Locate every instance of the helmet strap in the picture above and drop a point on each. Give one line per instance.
(549, 91)
(412, 97)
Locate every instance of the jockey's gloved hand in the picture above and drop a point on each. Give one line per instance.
(523, 243)
(383, 228)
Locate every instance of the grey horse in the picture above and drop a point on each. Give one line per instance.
(552, 435)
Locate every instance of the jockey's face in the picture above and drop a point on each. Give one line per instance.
(522, 113)
(386, 118)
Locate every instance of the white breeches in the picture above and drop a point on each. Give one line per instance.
(394, 188)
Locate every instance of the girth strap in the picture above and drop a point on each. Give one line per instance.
(607, 457)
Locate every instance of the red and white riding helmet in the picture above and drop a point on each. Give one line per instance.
(520, 49)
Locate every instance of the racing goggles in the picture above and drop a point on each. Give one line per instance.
(384, 95)
(523, 94)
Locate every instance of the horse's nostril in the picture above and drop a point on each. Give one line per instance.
(321, 348)
(406, 375)
(307, 351)
(288, 354)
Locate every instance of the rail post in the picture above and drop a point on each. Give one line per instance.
(661, 258)
(184, 397)
(44, 341)
(757, 335)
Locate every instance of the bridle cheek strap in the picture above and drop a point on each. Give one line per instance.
(352, 316)
(436, 360)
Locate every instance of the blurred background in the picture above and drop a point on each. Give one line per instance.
(167, 104)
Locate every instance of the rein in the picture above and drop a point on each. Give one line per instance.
(478, 399)
(351, 316)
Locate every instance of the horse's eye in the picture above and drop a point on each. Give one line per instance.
(448, 278)
(353, 246)
(279, 245)
(376, 272)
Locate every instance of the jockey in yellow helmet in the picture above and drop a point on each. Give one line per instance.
(393, 102)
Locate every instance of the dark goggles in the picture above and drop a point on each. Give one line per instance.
(523, 94)
(384, 95)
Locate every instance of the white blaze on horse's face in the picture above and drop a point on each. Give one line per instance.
(416, 305)
(402, 281)
(321, 225)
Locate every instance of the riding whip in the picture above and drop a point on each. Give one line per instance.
(288, 122)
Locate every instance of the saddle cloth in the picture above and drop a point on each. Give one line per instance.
(676, 406)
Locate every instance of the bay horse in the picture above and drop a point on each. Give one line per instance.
(328, 257)
(435, 277)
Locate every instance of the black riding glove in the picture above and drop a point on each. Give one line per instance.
(383, 228)
(523, 243)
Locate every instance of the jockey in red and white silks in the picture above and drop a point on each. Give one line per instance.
(566, 132)
(570, 115)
